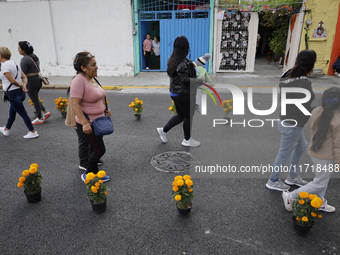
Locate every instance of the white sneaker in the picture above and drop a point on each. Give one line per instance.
(287, 201)
(162, 134)
(31, 135)
(37, 121)
(337, 75)
(190, 143)
(326, 207)
(147, 68)
(5, 132)
(46, 115)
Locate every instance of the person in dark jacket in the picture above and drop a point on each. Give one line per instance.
(293, 143)
(336, 67)
(30, 66)
(183, 86)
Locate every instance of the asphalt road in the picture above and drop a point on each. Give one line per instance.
(231, 214)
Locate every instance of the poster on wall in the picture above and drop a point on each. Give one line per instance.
(234, 40)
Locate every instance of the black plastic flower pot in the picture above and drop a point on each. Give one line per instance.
(33, 198)
(184, 212)
(99, 208)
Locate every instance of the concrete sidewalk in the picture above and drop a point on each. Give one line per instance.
(265, 76)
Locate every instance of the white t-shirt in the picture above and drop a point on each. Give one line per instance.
(10, 67)
(156, 47)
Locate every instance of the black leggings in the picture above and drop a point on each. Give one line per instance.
(84, 148)
(98, 146)
(34, 86)
(185, 106)
(147, 58)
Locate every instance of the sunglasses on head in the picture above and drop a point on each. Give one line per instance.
(87, 56)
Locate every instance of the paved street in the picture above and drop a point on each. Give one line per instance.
(231, 214)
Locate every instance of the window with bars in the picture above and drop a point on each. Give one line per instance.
(173, 5)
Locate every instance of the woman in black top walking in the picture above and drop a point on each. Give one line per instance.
(183, 86)
(30, 66)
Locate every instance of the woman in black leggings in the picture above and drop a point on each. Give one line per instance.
(30, 66)
(183, 85)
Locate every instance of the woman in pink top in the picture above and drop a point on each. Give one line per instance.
(147, 45)
(88, 97)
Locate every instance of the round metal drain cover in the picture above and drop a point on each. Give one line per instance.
(174, 161)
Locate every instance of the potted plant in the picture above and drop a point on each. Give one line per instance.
(31, 180)
(61, 104)
(182, 193)
(96, 190)
(305, 212)
(31, 103)
(137, 108)
(227, 108)
(172, 108)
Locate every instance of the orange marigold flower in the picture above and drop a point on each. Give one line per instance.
(304, 218)
(301, 202)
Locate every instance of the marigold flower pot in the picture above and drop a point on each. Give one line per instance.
(98, 208)
(184, 212)
(228, 119)
(300, 229)
(63, 114)
(137, 116)
(33, 198)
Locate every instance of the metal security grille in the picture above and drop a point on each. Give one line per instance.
(173, 5)
(234, 41)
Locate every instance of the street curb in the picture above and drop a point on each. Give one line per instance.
(67, 86)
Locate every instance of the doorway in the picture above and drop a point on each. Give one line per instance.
(151, 27)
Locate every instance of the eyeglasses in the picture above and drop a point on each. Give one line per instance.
(87, 56)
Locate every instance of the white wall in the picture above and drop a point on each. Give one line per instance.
(59, 29)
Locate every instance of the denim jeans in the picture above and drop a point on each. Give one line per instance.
(293, 144)
(320, 182)
(16, 97)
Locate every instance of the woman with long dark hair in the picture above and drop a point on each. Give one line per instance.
(293, 143)
(30, 66)
(323, 148)
(183, 85)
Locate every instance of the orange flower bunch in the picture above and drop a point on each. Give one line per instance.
(31, 103)
(96, 190)
(30, 179)
(182, 191)
(305, 208)
(61, 104)
(227, 107)
(137, 106)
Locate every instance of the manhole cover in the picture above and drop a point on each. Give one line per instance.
(174, 161)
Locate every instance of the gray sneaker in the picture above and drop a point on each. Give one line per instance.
(296, 181)
(162, 134)
(278, 185)
(190, 143)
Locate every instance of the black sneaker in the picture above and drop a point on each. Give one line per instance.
(100, 163)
